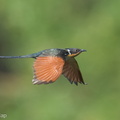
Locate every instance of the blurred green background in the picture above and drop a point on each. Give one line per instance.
(31, 26)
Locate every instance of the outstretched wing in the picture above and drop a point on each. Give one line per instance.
(72, 72)
(47, 69)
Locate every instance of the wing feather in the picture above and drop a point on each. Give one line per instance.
(72, 72)
(47, 69)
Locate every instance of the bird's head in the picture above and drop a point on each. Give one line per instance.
(72, 52)
(67, 52)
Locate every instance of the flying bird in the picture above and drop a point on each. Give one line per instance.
(49, 64)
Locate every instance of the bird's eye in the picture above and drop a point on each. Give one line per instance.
(77, 50)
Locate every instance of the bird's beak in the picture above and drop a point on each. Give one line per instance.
(83, 50)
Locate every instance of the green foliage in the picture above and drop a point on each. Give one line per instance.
(31, 26)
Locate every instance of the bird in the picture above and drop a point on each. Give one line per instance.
(50, 64)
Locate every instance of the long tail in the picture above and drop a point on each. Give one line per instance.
(34, 55)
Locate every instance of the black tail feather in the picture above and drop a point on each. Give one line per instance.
(24, 56)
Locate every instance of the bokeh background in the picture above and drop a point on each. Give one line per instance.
(31, 26)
